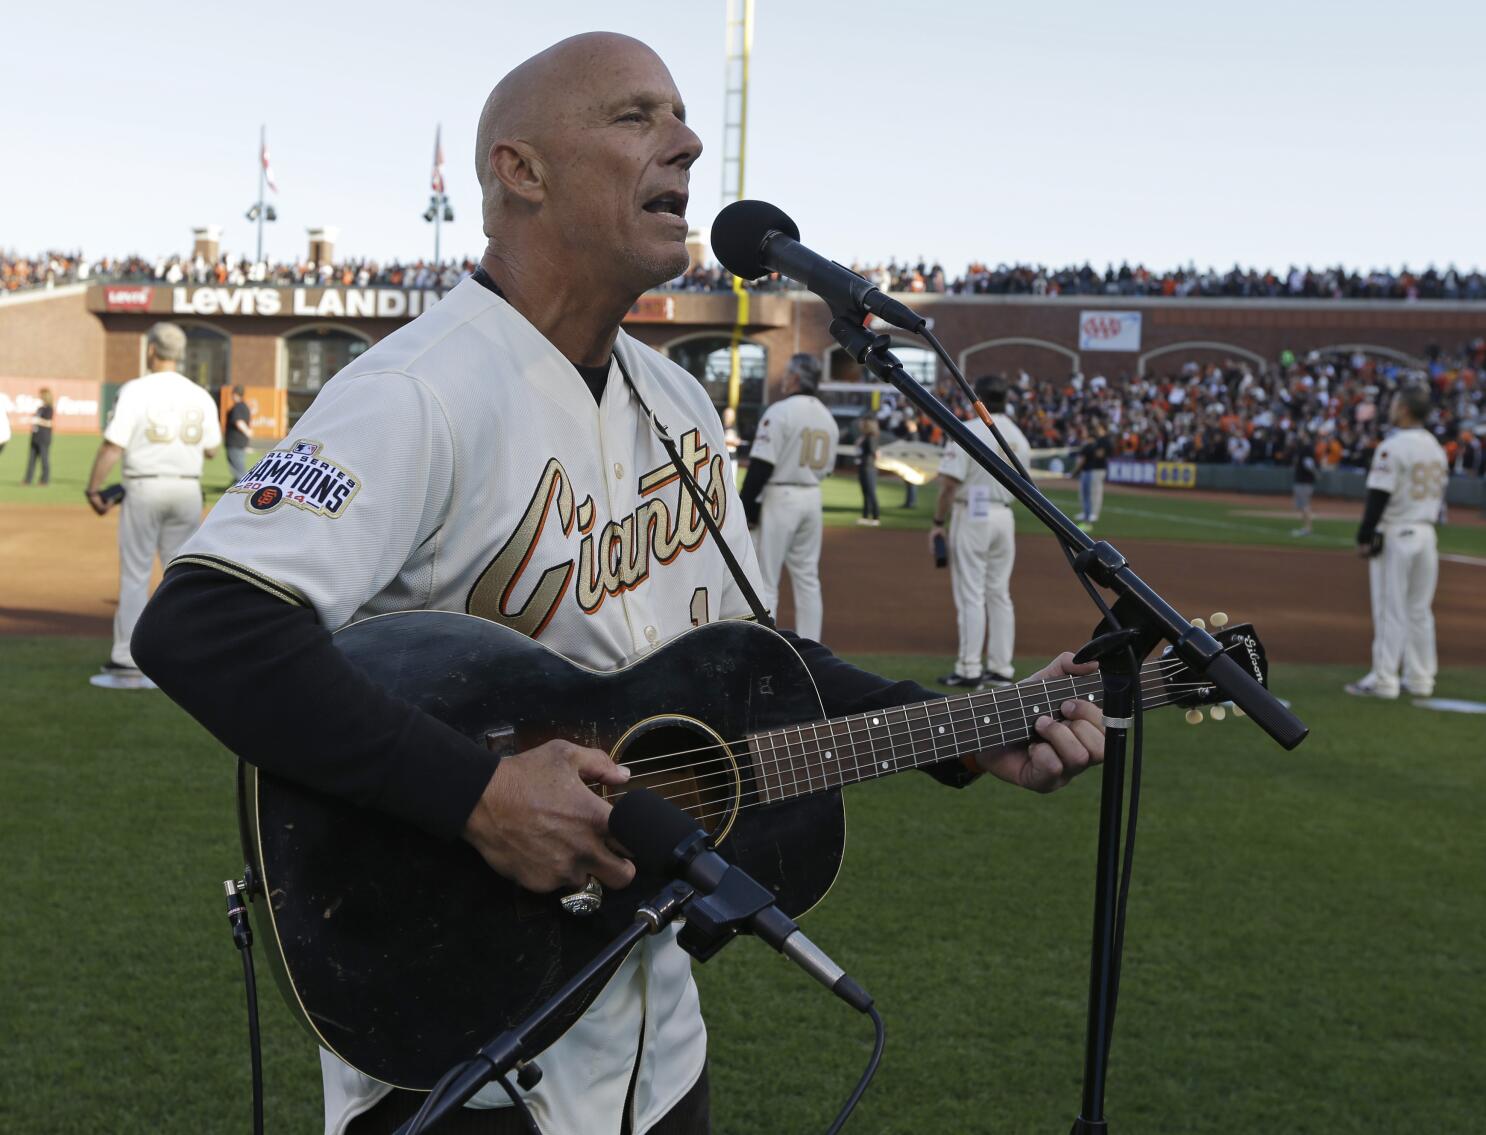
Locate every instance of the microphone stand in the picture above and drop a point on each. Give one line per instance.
(496, 1059)
(1140, 619)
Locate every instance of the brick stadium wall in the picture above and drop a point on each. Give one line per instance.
(50, 335)
(1262, 327)
(58, 337)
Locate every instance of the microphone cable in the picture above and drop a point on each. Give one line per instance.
(414, 1126)
(879, 1040)
(242, 938)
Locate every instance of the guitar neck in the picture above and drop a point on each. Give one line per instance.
(800, 759)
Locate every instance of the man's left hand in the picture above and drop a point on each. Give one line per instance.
(1067, 746)
(97, 503)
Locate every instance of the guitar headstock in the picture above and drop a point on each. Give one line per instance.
(1181, 686)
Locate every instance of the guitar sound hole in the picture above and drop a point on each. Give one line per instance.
(687, 763)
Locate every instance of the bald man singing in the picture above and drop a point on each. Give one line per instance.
(517, 399)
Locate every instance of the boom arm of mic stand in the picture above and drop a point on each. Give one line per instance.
(514, 1045)
(1098, 560)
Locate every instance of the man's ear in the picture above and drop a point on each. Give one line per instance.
(519, 170)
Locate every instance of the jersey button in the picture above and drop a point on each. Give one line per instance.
(652, 634)
(618, 471)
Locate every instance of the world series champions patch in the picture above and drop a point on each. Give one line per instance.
(298, 476)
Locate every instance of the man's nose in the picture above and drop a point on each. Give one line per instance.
(686, 147)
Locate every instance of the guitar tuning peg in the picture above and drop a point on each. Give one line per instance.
(1219, 619)
(1199, 624)
(1238, 711)
(1194, 717)
(1218, 713)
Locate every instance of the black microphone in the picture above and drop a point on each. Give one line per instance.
(664, 839)
(753, 238)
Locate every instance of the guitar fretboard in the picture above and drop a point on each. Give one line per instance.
(801, 759)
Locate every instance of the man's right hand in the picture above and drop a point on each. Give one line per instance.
(540, 824)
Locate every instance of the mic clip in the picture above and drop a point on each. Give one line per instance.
(715, 919)
(855, 338)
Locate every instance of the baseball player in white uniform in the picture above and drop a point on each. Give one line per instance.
(793, 451)
(162, 425)
(982, 548)
(1405, 493)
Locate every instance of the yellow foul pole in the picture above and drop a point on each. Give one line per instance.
(735, 149)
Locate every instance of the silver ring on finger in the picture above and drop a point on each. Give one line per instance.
(585, 901)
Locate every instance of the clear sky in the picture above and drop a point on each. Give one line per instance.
(1265, 132)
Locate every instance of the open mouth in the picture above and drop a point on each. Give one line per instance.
(673, 204)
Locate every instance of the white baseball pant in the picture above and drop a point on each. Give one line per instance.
(157, 515)
(982, 551)
(788, 535)
(1403, 579)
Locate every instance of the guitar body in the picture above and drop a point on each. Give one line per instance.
(401, 953)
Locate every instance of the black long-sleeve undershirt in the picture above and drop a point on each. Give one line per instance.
(754, 481)
(265, 679)
(1372, 513)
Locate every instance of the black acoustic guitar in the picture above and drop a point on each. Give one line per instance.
(402, 954)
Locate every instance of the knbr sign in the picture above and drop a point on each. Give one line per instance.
(1109, 331)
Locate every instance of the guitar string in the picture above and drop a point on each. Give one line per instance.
(753, 798)
(1154, 670)
(912, 736)
(916, 736)
(1157, 670)
(1154, 680)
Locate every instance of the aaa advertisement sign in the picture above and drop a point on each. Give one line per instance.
(1109, 331)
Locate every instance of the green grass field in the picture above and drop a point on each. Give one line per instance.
(72, 461)
(1305, 938)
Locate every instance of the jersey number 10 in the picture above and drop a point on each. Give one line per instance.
(815, 449)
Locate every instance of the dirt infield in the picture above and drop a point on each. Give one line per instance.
(59, 575)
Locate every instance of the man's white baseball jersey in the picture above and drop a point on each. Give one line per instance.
(798, 435)
(163, 421)
(982, 552)
(956, 462)
(1410, 466)
(462, 464)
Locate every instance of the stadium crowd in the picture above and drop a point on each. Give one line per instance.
(1229, 413)
(58, 267)
(55, 268)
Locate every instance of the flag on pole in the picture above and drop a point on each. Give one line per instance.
(438, 159)
(267, 168)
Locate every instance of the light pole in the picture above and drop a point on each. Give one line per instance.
(262, 211)
(439, 210)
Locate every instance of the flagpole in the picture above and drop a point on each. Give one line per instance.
(262, 173)
(438, 216)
